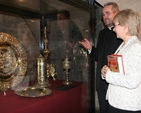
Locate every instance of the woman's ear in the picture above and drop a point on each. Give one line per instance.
(126, 29)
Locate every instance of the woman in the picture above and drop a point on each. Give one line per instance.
(124, 90)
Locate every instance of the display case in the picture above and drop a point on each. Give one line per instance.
(33, 21)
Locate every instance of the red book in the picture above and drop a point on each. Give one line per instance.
(115, 63)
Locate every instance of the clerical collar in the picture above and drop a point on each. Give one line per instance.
(111, 28)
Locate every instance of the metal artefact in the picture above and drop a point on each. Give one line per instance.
(44, 69)
(13, 62)
(33, 92)
(66, 68)
(42, 72)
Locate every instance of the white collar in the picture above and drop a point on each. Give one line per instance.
(111, 27)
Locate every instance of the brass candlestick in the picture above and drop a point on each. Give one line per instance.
(46, 51)
(66, 68)
(44, 69)
(50, 67)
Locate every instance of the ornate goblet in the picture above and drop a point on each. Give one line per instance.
(66, 68)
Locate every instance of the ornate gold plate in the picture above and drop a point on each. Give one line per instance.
(13, 62)
(33, 92)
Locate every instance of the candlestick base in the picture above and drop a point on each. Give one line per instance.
(67, 82)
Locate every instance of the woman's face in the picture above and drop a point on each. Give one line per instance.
(119, 30)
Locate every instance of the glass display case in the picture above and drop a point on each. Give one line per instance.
(27, 19)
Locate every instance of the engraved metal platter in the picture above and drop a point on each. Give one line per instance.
(13, 62)
(33, 92)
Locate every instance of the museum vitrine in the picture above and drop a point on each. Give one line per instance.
(35, 26)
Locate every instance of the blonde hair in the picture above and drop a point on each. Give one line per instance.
(115, 7)
(130, 19)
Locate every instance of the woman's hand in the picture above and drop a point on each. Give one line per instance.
(104, 70)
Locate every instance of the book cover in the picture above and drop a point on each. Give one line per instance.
(115, 63)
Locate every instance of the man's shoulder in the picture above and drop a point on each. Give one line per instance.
(103, 31)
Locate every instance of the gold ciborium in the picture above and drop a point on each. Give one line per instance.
(66, 68)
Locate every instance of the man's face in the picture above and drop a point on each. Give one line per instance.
(62, 21)
(108, 15)
(61, 16)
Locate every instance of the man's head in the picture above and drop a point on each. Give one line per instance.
(62, 19)
(64, 14)
(109, 10)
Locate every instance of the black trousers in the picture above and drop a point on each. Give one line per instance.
(103, 103)
(115, 110)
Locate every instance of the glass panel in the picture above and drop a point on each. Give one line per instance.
(63, 40)
(28, 4)
(24, 30)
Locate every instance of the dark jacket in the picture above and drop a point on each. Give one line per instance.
(107, 44)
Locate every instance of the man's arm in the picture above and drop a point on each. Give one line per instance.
(91, 49)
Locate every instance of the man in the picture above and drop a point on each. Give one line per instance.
(68, 27)
(107, 44)
(64, 36)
